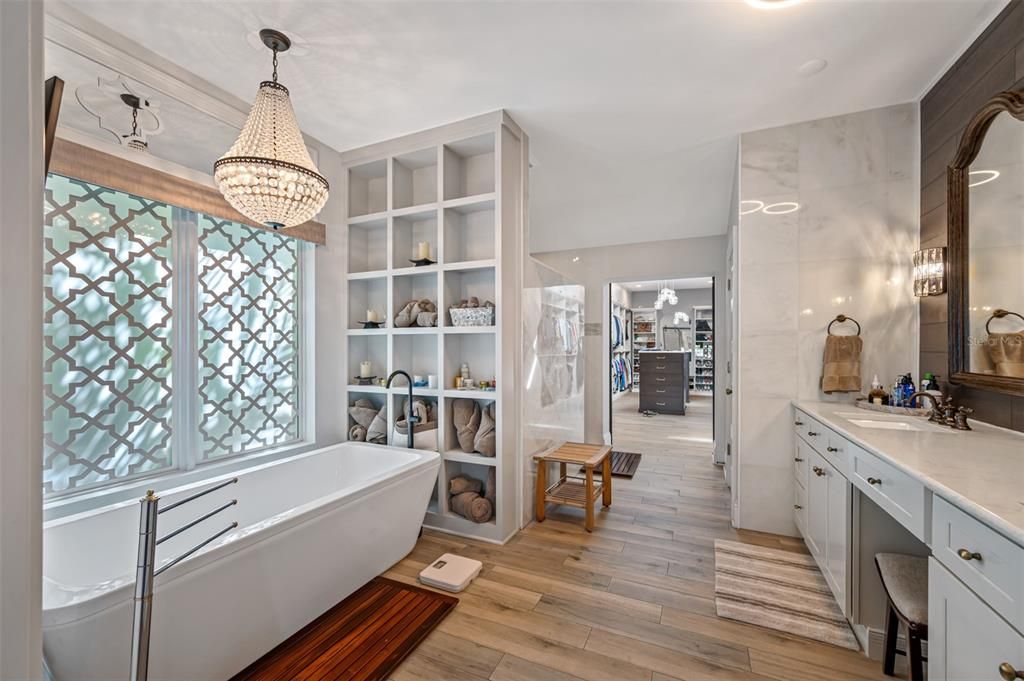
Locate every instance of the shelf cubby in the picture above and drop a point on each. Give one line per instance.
(416, 354)
(453, 468)
(368, 189)
(451, 440)
(373, 348)
(410, 229)
(476, 350)
(414, 178)
(368, 245)
(367, 294)
(462, 285)
(378, 399)
(469, 232)
(397, 405)
(413, 285)
(469, 167)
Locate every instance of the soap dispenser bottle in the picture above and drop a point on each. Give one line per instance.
(877, 394)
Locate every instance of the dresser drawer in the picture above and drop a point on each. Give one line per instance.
(667, 361)
(899, 495)
(991, 565)
(662, 380)
(663, 392)
(668, 405)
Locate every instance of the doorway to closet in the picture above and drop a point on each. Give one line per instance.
(661, 369)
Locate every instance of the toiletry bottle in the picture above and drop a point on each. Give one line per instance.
(877, 394)
(896, 398)
(908, 390)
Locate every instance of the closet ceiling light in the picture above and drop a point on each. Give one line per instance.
(978, 177)
(753, 207)
(781, 208)
(267, 175)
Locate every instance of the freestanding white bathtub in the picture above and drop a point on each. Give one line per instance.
(311, 530)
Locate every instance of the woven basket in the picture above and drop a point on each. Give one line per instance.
(472, 316)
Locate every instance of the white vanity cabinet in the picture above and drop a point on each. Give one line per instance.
(824, 518)
(966, 638)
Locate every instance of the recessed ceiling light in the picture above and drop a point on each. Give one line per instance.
(781, 208)
(637, 285)
(772, 4)
(812, 67)
(576, 258)
(978, 177)
(754, 206)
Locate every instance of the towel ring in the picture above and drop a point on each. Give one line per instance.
(842, 318)
(999, 314)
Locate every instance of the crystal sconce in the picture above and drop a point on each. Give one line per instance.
(930, 272)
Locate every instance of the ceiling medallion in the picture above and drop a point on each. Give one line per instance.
(117, 107)
(267, 175)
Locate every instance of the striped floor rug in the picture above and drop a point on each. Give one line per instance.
(780, 590)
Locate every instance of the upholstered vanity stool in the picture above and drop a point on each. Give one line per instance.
(905, 580)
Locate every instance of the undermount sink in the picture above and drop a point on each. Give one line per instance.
(893, 422)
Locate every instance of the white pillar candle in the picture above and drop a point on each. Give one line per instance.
(365, 369)
(371, 316)
(423, 250)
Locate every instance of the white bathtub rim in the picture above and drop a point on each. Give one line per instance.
(99, 598)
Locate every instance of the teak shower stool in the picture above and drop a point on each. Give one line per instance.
(571, 490)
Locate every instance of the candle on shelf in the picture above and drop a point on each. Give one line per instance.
(372, 316)
(365, 369)
(423, 250)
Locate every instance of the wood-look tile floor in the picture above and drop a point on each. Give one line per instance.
(633, 601)
(662, 433)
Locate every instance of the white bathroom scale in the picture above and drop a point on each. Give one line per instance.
(451, 572)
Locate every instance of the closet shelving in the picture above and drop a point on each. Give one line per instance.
(621, 348)
(460, 188)
(703, 349)
(645, 336)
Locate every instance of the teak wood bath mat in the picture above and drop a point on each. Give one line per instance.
(624, 464)
(363, 638)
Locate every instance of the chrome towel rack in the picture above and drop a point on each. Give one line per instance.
(145, 566)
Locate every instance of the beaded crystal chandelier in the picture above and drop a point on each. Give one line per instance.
(267, 175)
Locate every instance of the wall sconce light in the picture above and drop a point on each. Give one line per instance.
(930, 272)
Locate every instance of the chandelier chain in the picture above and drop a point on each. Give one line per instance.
(275, 65)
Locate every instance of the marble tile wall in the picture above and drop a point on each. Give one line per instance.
(846, 249)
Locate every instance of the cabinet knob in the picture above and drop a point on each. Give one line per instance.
(797, 459)
(1007, 672)
(818, 470)
(797, 506)
(970, 555)
(798, 423)
(812, 433)
(832, 449)
(874, 481)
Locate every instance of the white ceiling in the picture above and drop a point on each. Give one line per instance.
(633, 108)
(674, 284)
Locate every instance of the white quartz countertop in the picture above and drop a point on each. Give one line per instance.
(981, 471)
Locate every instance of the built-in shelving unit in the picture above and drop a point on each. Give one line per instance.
(645, 336)
(460, 189)
(703, 349)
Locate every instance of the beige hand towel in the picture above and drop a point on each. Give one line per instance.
(1007, 353)
(466, 417)
(461, 483)
(841, 370)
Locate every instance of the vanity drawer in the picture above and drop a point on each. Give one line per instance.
(809, 429)
(800, 508)
(900, 495)
(832, 446)
(800, 461)
(991, 565)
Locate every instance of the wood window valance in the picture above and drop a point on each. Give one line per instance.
(91, 165)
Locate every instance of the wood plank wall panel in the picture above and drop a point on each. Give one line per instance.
(994, 62)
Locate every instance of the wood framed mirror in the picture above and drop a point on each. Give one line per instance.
(985, 270)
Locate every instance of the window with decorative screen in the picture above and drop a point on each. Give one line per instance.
(141, 297)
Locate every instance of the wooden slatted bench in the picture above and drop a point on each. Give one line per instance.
(573, 490)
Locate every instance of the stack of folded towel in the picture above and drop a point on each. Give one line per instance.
(466, 500)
